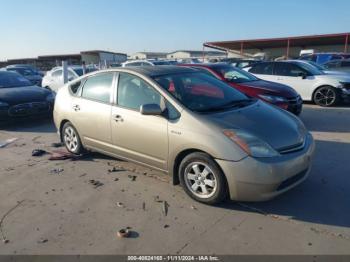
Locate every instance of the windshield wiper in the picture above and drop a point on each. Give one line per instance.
(232, 104)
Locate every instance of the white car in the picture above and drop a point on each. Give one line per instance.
(145, 63)
(54, 79)
(311, 83)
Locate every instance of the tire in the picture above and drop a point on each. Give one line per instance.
(71, 139)
(326, 96)
(202, 179)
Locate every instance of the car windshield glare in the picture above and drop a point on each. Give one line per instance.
(200, 92)
(9, 79)
(310, 68)
(236, 75)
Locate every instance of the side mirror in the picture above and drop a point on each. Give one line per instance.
(303, 75)
(150, 110)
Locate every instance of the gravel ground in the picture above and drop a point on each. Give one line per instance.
(64, 213)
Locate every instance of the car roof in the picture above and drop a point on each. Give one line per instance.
(152, 71)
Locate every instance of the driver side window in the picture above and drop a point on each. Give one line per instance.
(134, 92)
(287, 69)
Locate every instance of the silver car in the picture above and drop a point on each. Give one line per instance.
(213, 140)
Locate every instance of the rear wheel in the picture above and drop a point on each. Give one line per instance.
(71, 139)
(202, 179)
(326, 96)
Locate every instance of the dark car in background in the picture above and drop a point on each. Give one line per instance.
(240, 63)
(26, 72)
(277, 94)
(342, 65)
(322, 58)
(20, 98)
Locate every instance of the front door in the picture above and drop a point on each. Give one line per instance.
(138, 137)
(295, 77)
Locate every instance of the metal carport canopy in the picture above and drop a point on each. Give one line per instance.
(295, 41)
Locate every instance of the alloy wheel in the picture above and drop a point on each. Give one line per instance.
(200, 180)
(325, 96)
(71, 139)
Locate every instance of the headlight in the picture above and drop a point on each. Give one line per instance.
(273, 99)
(251, 144)
(50, 97)
(3, 104)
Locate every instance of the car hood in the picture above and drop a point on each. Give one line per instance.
(34, 77)
(275, 126)
(331, 72)
(271, 88)
(336, 77)
(26, 94)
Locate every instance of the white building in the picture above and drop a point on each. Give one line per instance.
(148, 55)
(182, 54)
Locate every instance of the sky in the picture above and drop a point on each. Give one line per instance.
(44, 27)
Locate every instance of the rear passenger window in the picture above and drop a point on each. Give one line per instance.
(262, 68)
(98, 87)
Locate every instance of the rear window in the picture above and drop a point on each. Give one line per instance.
(11, 79)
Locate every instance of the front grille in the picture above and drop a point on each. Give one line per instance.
(27, 109)
(292, 148)
(295, 100)
(346, 85)
(292, 180)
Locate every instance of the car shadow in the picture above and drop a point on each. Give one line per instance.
(38, 125)
(323, 198)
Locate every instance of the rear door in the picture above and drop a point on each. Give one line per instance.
(263, 71)
(138, 137)
(91, 111)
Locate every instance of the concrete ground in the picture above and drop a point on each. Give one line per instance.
(65, 214)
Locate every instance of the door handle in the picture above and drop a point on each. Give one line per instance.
(76, 107)
(118, 118)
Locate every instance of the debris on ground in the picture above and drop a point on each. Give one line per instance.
(144, 206)
(7, 142)
(42, 241)
(116, 179)
(56, 171)
(35, 139)
(193, 207)
(83, 175)
(165, 208)
(114, 169)
(123, 233)
(4, 239)
(38, 152)
(166, 226)
(57, 144)
(63, 155)
(132, 177)
(120, 204)
(96, 183)
(157, 199)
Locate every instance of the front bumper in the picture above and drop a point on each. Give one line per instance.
(26, 110)
(253, 179)
(345, 93)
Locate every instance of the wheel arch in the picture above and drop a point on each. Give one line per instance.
(324, 85)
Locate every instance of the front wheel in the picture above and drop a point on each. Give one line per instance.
(326, 96)
(71, 139)
(202, 179)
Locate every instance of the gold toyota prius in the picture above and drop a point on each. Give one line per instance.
(212, 139)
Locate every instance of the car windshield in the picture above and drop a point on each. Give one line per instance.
(319, 67)
(202, 93)
(310, 68)
(79, 71)
(161, 63)
(23, 71)
(235, 75)
(10, 79)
